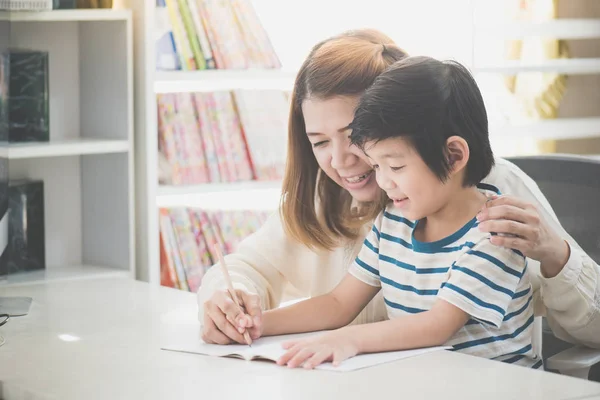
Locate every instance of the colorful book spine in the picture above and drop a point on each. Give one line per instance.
(208, 140)
(228, 38)
(195, 166)
(182, 42)
(167, 225)
(260, 49)
(192, 37)
(236, 155)
(167, 56)
(167, 135)
(202, 246)
(225, 171)
(202, 34)
(194, 271)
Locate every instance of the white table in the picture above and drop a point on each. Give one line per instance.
(100, 339)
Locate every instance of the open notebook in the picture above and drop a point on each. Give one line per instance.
(270, 349)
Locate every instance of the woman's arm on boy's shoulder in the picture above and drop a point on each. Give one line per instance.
(330, 311)
(570, 293)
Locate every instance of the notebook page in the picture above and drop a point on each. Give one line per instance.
(369, 360)
(187, 340)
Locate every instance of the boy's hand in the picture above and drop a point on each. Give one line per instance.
(335, 346)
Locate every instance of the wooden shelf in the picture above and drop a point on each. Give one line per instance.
(556, 129)
(573, 66)
(62, 273)
(66, 147)
(221, 79)
(559, 29)
(237, 195)
(66, 15)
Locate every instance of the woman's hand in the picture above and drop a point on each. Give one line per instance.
(335, 346)
(225, 324)
(521, 227)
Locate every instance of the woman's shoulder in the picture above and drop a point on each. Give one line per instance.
(509, 178)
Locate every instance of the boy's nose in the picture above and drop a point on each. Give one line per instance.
(384, 182)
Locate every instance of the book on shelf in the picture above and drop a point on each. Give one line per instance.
(264, 119)
(211, 34)
(222, 136)
(26, 232)
(26, 5)
(28, 94)
(187, 236)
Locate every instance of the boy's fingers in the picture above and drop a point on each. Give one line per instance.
(317, 359)
(288, 355)
(300, 357)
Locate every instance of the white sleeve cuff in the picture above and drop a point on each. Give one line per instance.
(567, 278)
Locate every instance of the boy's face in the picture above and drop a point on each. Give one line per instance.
(415, 190)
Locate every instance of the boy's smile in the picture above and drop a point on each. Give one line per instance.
(405, 178)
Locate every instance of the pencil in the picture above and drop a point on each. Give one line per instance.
(230, 288)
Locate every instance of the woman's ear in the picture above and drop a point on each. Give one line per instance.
(458, 153)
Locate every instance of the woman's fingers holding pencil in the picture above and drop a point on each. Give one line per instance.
(219, 320)
(211, 334)
(252, 319)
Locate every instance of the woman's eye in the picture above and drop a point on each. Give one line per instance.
(375, 166)
(318, 144)
(397, 168)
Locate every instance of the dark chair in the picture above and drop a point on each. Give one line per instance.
(571, 184)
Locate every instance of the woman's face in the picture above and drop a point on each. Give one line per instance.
(326, 124)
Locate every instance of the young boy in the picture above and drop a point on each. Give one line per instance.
(423, 126)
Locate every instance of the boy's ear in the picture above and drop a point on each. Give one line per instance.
(458, 153)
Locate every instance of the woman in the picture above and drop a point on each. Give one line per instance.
(328, 187)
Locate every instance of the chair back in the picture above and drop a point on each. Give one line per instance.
(571, 184)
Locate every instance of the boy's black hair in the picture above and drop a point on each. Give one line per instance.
(427, 101)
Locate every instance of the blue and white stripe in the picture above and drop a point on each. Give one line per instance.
(487, 282)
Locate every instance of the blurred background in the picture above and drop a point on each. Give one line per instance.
(134, 133)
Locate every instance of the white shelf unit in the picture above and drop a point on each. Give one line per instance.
(566, 29)
(556, 129)
(66, 147)
(214, 196)
(571, 66)
(215, 80)
(150, 196)
(88, 164)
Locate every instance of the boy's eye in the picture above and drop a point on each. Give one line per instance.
(321, 143)
(375, 166)
(397, 168)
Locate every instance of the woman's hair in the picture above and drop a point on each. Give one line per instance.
(343, 65)
(426, 101)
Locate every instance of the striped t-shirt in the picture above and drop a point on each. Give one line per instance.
(487, 282)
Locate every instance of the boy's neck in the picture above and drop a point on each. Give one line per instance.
(462, 207)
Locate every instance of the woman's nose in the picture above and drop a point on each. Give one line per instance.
(341, 156)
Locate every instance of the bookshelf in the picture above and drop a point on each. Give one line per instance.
(150, 196)
(569, 125)
(88, 164)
